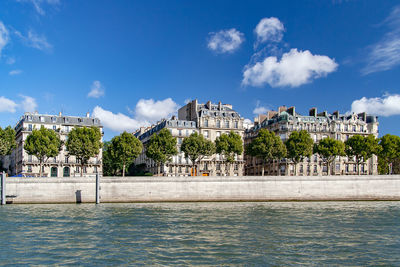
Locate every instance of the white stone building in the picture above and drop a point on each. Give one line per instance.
(319, 125)
(210, 120)
(64, 165)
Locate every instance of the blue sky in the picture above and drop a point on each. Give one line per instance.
(133, 62)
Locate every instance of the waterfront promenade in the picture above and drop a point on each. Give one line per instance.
(202, 189)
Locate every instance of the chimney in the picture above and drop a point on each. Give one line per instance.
(281, 109)
(208, 104)
(291, 111)
(60, 114)
(336, 113)
(323, 114)
(312, 112)
(219, 105)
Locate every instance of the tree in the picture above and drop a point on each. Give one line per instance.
(161, 148)
(390, 151)
(43, 144)
(125, 149)
(84, 143)
(362, 148)
(7, 141)
(328, 149)
(299, 146)
(196, 147)
(111, 165)
(266, 146)
(229, 145)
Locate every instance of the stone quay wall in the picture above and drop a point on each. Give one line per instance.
(194, 189)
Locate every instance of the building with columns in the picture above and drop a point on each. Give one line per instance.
(210, 120)
(319, 125)
(64, 165)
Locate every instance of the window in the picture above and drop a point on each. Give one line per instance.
(337, 168)
(53, 119)
(180, 169)
(206, 134)
(170, 168)
(346, 128)
(236, 167)
(180, 132)
(362, 128)
(218, 166)
(218, 134)
(41, 119)
(29, 118)
(66, 159)
(324, 128)
(218, 124)
(226, 124)
(362, 168)
(315, 138)
(29, 127)
(77, 160)
(95, 169)
(66, 128)
(354, 128)
(187, 132)
(187, 169)
(179, 141)
(180, 159)
(54, 127)
(315, 168)
(29, 168)
(354, 167)
(347, 167)
(338, 137)
(205, 166)
(301, 168)
(337, 127)
(29, 158)
(315, 158)
(77, 169)
(236, 124)
(84, 170)
(205, 123)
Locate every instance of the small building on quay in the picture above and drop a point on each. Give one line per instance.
(319, 126)
(64, 165)
(210, 120)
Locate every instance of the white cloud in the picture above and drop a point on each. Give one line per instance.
(387, 105)
(260, 110)
(38, 4)
(96, 90)
(15, 72)
(28, 103)
(4, 36)
(147, 111)
(117, 122)
(225, 40)
(34, 40)
(247, 124)
(385, 54)
(7, 105)
(294, 69)
(187, 100)
(269, 29)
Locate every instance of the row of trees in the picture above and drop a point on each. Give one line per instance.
(162, 146)
(268, 147)
(43, 143)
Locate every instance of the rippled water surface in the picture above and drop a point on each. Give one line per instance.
(291, 233)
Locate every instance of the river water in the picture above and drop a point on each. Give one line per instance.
(256, 234)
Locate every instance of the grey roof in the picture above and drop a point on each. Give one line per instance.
(55, 119)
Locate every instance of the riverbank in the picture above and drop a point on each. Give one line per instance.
(200, 189)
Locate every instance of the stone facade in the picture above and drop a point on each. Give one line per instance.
(319, 125)
(210, 120)
(65, 165)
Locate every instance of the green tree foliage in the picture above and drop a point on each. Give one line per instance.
(266, 146)
(161, 148)
(84, 143)
(362, 148)
(43, 144)
(299, 146)
(196, 147)
(7, 141)
(328, 149)
(111, 165)
(125, 149)
(229, 145)
(390, 151)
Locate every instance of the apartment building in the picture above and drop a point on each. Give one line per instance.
(64, 165)
(210, 120)
(319, 125)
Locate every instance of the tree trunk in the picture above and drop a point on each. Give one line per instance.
(279, 167)
(295, 168)
(82, 165)
(158, 168)
(41, 168)
(123, 169)
(327, 168)
(358, 166)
